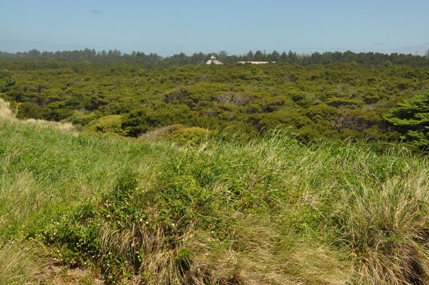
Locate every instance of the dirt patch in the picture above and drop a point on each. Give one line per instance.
(53, 273)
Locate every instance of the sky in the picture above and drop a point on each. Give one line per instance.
(168, 27)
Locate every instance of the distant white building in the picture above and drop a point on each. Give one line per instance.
(255, 62)
(213, 60)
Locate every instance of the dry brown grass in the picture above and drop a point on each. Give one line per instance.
(386, 230)
(5, 112)
(15, 264)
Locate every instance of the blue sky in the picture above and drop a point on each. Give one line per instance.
(167, 27)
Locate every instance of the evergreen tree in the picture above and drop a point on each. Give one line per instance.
(411, 118)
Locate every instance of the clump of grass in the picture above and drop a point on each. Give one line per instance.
(15, 264)
(383, 220)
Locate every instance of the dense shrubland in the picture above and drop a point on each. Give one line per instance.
(337, 100)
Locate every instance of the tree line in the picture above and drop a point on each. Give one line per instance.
(290, 57)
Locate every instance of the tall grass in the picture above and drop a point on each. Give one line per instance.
(15, 264)
(384, 225)
(43, 169)
(271, 211)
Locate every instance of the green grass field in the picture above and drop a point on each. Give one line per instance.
(82, 209)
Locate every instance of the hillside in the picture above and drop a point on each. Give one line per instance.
(82, 209)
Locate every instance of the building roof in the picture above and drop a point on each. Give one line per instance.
(255, 62)
(213, 60)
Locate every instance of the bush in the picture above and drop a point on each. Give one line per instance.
(411, 118)
(180, 134)
(108, 124)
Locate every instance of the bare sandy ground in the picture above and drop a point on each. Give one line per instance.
(5, 112)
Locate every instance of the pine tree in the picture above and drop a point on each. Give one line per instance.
(411, 118)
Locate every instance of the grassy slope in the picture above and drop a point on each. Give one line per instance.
(269, 212)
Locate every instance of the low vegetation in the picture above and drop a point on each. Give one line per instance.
(334, 96)
(156, 210)
(137, 169)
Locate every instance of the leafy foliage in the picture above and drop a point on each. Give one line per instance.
(411, 118)
(336, 100)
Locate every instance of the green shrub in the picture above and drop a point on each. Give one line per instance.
(109, 124)
(82, 118)
(180, 134)
(411, 118)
